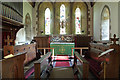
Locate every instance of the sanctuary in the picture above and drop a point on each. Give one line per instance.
(67, 39)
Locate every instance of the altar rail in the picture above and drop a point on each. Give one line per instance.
(46, 49)
(41, 69)
(83, 69)
(80, 48)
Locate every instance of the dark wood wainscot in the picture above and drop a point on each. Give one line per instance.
(82, 40)
(42, 41)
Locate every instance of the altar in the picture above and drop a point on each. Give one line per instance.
(62, 48)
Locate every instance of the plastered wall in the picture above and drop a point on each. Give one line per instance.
(119, 21)
(21, 36)
(97, 9)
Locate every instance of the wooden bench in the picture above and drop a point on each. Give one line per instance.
(13, 67)
(104, 65)
(82, 71)
(42, 70)
(29, 48)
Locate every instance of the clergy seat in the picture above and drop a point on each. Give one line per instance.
(104, 65)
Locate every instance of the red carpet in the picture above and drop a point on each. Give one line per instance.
(62, 58)
(62, 63)
(29, 72)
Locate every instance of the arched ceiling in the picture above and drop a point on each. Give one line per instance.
(33, 2)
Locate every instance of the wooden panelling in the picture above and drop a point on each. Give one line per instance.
(82, 40)
(42, 41)
(30, 50)
(13, 67)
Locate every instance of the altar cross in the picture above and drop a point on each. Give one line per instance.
(114, 39)
(8, 40)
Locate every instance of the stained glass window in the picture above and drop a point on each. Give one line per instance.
(47, 21)
(77, 21)
(105, 24)
(62, 19)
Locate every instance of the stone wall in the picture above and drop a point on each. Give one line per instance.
(55, 16)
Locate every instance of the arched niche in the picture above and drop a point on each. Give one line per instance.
(41, 17)
(20, 37)
(83, 9)
(28, 27)
(105, 23)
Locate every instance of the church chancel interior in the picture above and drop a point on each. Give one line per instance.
(67, 39)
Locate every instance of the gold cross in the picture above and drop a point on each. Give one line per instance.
(62, 37)
(8, 40)
(114, 39)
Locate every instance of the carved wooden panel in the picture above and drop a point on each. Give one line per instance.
(42, 41)
(30, 49)
(13, 67)
(8, 50)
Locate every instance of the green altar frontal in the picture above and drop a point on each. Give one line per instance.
(62, 48)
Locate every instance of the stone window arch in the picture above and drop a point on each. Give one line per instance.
(62, 19)
(105, 23)
(77, 21)
(47, 21)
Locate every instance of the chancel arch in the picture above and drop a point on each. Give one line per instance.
(105, 23)
(42, 7)
(83, 12)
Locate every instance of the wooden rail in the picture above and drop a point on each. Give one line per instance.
(81, 48)
(83, 70)
(48, 49)
(38, 64)
(105, 52)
